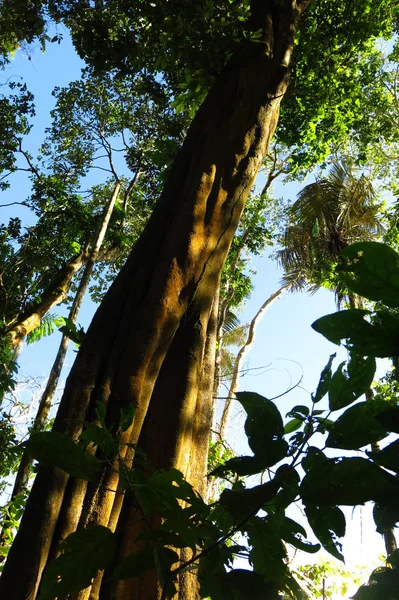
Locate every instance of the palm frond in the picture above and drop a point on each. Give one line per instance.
(48, 324)
(231, 322)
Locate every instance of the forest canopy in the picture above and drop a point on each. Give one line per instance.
(143, 193)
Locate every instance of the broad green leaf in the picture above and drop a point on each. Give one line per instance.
(383, 585)
(101, 437)
(243, 503)
(388, 457)
(299, 410)
(247, 585)
(83, 553)
(237, 584)
(389, 418)
(313, 459)
(357, 427)
(289, 486)
(134, 565)
(292, 426)
(324, 382)
(264, 428)
(58, 450)
(349, 481)
(328, 524)
(293, 533)
(379, 338)
(268, 554)
(347, 387)
(127, 416)
(371, 269)
(342, 325)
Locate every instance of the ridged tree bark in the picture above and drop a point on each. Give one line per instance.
(233, 388)
(145, 346)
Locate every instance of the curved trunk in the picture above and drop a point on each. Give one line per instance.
(224, 420)
(154, 319)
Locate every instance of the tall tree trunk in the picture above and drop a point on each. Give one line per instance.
(224, 420)
(145, 346)
(43, 410)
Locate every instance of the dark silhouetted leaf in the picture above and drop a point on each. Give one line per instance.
(242, 503)
(389, 418)
(83, 553)
(58, 450)
(328, 523)
(134, 565)
(268, 554)
(293, 533)
(388, 457)
(357, 427)
(379, 338)
(264, 428)
(346, 387)
(349, 481)
(371, 269)
(324, 382)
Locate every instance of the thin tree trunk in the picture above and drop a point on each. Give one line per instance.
(156, 313)
(39, 423)
(224, 420)
(54, 294)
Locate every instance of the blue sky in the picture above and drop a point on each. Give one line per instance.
(286, 346)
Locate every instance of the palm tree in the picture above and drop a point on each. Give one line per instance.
(329, 214)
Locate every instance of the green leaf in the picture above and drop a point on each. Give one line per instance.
(101, 437)
(58, 450)
(72, 331)
(289, 486)
(388, 457)
(300, 409)
(268, 554)
(345, 388)
(371, 269)
(357, 427)
(379, 338)
(127, 416)
(293, 533)
(324, 382)
(328, 523)
(349, 481)
(134, 565)
(292, 426)
(264, 428)
(389, 418)
(83, 553)
(342, 325)
(46, 327)
(242, 503)
(247, 585)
